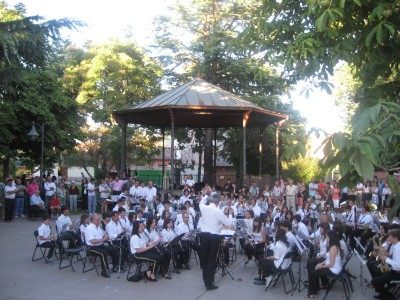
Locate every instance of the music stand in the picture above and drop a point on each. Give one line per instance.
(120, 269)
(302, 252)
(175, 241)
(362, 264)
(359, 245)
(221, 265)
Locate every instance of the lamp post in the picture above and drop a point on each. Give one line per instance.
(32, 135)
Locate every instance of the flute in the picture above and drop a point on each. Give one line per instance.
(149, 241)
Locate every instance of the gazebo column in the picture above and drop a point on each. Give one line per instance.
(245, 119)
(260, 155)
(163, 159)
(123, 146)
(278, 125)
(215, 157)
(172, 172)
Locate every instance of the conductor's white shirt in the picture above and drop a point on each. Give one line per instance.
(213, 219)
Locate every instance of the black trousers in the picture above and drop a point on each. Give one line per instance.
(311, 264)
(267, 268)
(210, 247)
(51, 245)
(122, 247)
(313, 279)
(154, 259)
(372, 265)
(9, 209)
(102, 251)
(365, 235)
(256, 250)
(380, 281)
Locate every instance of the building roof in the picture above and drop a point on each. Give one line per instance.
(198, 104)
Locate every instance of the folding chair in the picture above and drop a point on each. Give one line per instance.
(42, 250)
(343, 277)
(394, 289)
(139, 265)
(92, 259)
(67, 255)
(282, 272)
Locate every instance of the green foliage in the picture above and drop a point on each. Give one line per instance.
(302, 169)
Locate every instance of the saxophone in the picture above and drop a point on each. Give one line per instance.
(375, 241)
(383, 266)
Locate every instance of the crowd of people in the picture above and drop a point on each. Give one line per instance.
(135, 220)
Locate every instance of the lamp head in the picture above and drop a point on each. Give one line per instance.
(32, 134)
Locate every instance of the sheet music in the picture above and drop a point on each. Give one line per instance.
(227, 232)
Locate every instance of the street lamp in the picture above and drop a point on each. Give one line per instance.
(32, 135)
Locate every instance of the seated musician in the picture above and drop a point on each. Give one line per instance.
(332, 264)
(270, 264)
(184, 227)
(363, 228)
(95, 238)
(255, 246)
(179, 217)
(349, 217)
(66, 228)
(46, 238)
(392, 261)
(85, 221)
(120, 203)
(166, 205)
(168, 235)
(106, 218)
(37, 205)
(301, 228)
(164, 215)
(227, 243)
(147, 252)
(132, 219)
(116, 233)
(123, 219)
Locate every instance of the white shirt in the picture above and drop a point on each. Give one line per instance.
(280, 250)
(302, 230)
(48, 186)
(395, 260)
(257, 210)
(179, 220)
(91, 189)
(63, 223)
(337, 265)
(136, 192)
(150, 193)
(114, 229)
(183, 228)
(190, 182)
(104, 190)
(36, 200)
(44, 231)
(93, 232)
(124, 222)
(366, 220)
(167, 235)
(213, 219)
(8, 188)
(312, 187)
(136, 243)
(233, 208)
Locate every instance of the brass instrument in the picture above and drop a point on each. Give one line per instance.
(375, 241)
(372, 206)
(383, 266)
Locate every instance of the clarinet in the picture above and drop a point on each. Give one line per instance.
(156, 246)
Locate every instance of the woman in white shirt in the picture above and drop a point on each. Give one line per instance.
(84, 223)
(256, 246)
(332, 265)
(270, 264)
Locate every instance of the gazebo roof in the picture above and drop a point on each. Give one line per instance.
(198, 104)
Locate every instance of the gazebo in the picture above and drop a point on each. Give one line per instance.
(196, 104)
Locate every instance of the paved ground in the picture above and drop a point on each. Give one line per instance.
(20, 278)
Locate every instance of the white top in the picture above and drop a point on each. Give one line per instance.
(366, 220)
(63, 223)
(213, 219)
(152, 234)
(184, 198)
(280, 250)
(277, 191)
(337, 265)
(91, 189)
(8, 188)
(395, 260)
(190, 182)
(136, 243)
(36, 200)
(386, 191)
(93, 232)
(302, 231)
(150, 193)
(104, 190)
(167, 235)
(44, 231)
(82, 229)
(257, 210)
(322, 246)
(124, 222)
(291, 239)
(183, 228)
(179, 220)
(114, 229)
(313, 187)
(50, 188)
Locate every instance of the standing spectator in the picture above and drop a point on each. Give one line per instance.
(19, 199)
(321, 187)
(50, 188)
(92, 196)
(116, 185)
(73, 196)
(277, 193)
(291, 191)
(84, 192)
(312, 189)
(9, 192)
(254, 191)
(386, 192)
(61, 193)
(335, 192)
(359, 195)
(104, 190)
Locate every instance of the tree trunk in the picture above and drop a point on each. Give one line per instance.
(200, 160)
(6, 168)
(208, 156)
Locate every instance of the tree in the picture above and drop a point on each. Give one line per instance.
(107, 77)
(309, 38)
(303, 169)
(30, 90)
(202, 41)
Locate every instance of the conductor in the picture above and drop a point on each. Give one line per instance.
(213, 220)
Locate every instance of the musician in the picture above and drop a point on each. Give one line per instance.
(65, 228)
(350, 218)
(123, 218)
(213, 221)
(85, 221)
(135, 193)
(147, 252)
(168, 236)
(46, 238)
(229, 206)
(106, 216)
(116, 232)
(248, 219)
(363, 228)
(255, 208)
(375, 246)
(256, 245)
(241, 206)
(301, 228)
(120, 203)
(332, 265)
(95, 238)
(270, 264)
(166, 205)
(132, 219)
(185, 227)
(394, 262)
(150, 192)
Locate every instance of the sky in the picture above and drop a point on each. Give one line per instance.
(107, 19)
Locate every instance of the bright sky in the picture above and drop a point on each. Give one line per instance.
(109, 19)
